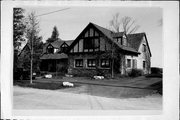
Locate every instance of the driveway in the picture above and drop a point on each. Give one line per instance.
(29, 98)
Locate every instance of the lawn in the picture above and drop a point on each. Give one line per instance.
(42, 85)
(112, 88)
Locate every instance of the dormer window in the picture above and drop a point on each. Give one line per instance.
(50, 49)
(64, 47)
(119, 40)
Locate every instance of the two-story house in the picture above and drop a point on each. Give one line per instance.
(54, 57)
(99, 50)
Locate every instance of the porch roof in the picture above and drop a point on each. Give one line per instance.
(54, 56)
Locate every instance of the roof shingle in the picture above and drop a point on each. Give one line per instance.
(54, 56)
(110, 34)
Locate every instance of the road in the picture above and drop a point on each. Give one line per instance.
(29, 98)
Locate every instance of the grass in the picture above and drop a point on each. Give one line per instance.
(48, 86)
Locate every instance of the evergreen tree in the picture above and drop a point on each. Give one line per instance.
(54, 36)
(18, 34)
(18, 27)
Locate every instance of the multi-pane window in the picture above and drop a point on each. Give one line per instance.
(144, 64)
(128, 63)
(88, 43)
(91, 62)
(105, 63)
(91, 43)
(79, 62)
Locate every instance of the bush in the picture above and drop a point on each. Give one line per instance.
(156, 70)
(135, 73)
(154, 75)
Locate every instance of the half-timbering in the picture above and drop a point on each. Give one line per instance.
(98, 50)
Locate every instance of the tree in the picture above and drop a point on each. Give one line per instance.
(126, 24)
(18, 33)
(54, 36)
(18, 27)
(34, 41)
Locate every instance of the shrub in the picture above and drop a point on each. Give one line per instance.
(156, 70)
(135, 73)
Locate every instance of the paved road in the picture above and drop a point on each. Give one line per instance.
(29, 98)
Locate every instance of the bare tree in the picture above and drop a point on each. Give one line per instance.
(115, 23)
(32, 32)
(127, 24)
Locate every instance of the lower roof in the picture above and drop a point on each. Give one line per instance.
(54, 56)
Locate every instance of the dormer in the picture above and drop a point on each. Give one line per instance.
(64, 47)
(120, 37)
(50, 49)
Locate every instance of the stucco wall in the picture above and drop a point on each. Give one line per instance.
(144, 56)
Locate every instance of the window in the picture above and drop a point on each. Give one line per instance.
(105, 63)
(88, 43)
(91, 43)
(119, 40)
(134, 63)
(64, 48)
(124, 41)
(144, 48)
(144, 64)
(91, 62)
(128, 63)
(50, 49)
(79, 62)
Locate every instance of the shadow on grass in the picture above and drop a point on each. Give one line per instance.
(38, 85)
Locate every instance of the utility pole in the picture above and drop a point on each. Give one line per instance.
(32, 56)
(34, 23)
(112, 57)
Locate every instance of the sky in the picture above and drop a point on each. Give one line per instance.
(72, 21)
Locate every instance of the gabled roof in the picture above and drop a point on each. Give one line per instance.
(110, 34)
(57, 43)
(69, 42)
(54, 56)
(118, 34)
(26, 46)
(135, 40)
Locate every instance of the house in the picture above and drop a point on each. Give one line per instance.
(98, 50)
(54, 57)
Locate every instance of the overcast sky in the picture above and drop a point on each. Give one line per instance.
(72, 21)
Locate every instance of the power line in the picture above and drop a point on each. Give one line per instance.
(52, 12)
